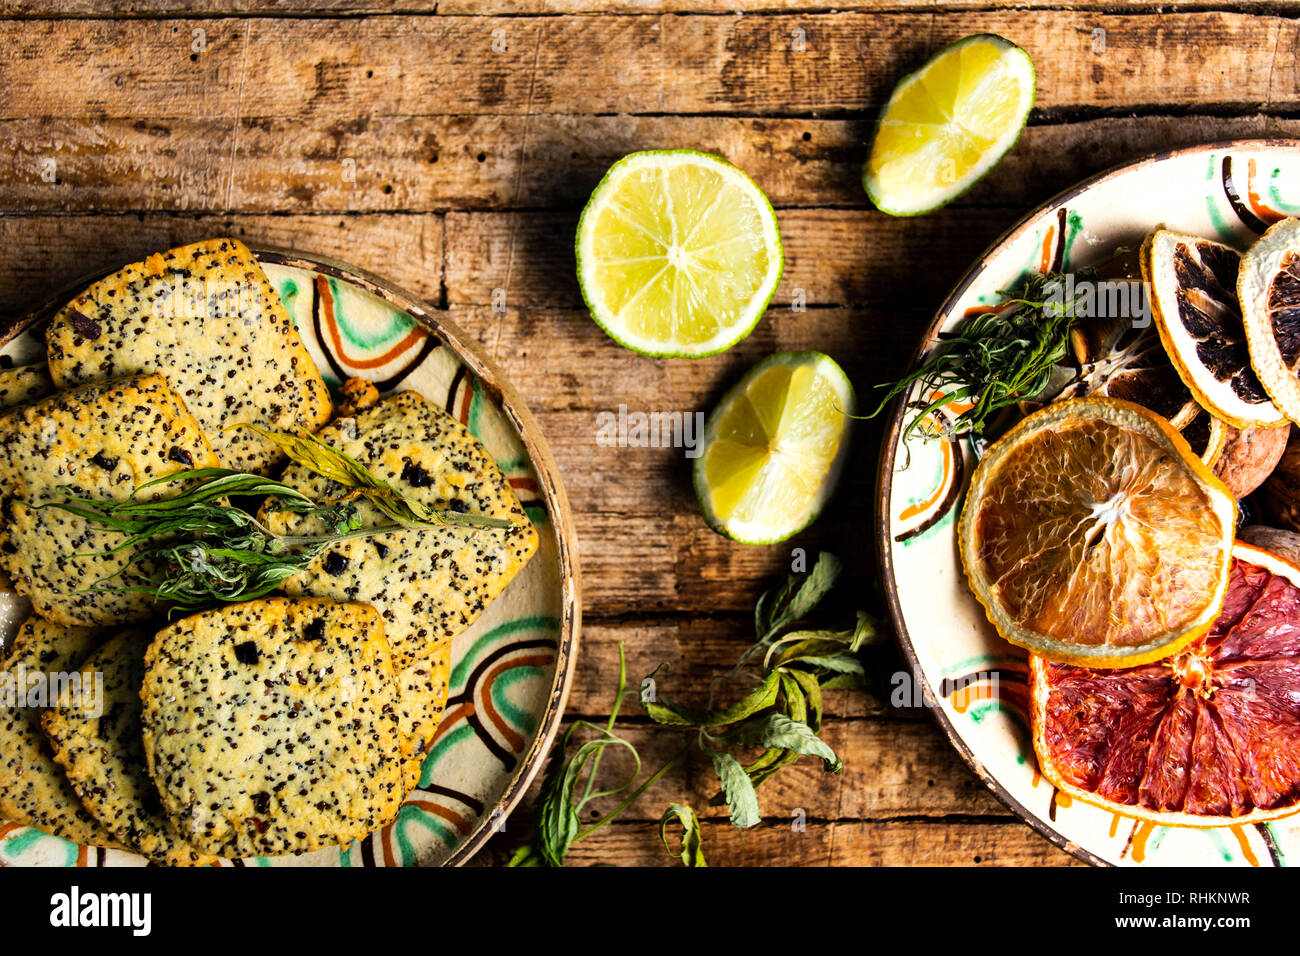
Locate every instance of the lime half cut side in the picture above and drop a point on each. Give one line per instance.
(774, 447)
(678, 253)
(948, 124)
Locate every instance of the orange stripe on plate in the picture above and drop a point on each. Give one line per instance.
(512, 737)
(449, 720)
(1267, 213)
(911, 511)
(417, 334)
(1240, 832)
(1045, 261)
(448, 814)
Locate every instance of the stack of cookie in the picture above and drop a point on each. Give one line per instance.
(280, 725)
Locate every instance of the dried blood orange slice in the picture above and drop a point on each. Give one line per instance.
(1268, 287)
(1208, 737)
(1193, 284)
(1093, 534)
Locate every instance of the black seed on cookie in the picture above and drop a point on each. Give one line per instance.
(262, 802)
(85, 326)
(414, 475)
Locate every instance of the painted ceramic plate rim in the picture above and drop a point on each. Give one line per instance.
(539, 455)
(890, 442)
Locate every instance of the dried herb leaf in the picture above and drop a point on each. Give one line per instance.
(337, 466)
(689, 848)
(738, 789)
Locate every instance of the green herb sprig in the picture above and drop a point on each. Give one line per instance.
(994, 359)
(337, 466)
(779, 716)
(193, 549)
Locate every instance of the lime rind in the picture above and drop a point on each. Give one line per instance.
(771, 532)
(906, 206)
(584, 253)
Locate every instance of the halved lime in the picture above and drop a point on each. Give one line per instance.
(678, 253)
(948, 124)
(773, 448)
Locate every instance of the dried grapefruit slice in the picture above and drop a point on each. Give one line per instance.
(1093, 534)
(1208, 737)
(1268, 287)
(1193, 284)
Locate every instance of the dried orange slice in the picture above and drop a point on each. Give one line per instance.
(1208, 737)
(1193, 284)
(1268, 287)
(1093, 534)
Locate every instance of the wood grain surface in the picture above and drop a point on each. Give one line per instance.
(451, 147)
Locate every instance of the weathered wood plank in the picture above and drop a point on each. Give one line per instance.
(832, 256)
(777, 65)
(891, 769)
(928, 843)
(643, 544)
(155, 8)
(438, 163)
(698, 649)
(41, 254)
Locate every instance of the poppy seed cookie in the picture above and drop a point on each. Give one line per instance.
(429, 584)
(206, 316)
(421, 700)
(99, 746)
(270, 727)
(21, 385)
(33, 788)
(102, 440)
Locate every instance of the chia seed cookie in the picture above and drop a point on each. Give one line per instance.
(101, 750)
(33, 788)
(421, 700)
(21, 385)
(271, 727)
(429, 584)
(206, 316)
(102, 440)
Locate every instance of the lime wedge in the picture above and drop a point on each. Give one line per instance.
(948, 124)
(773, 448)
(678, 253)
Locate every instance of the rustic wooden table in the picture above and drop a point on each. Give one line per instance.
(452, 146)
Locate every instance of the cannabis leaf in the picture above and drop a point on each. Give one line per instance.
(779, 714)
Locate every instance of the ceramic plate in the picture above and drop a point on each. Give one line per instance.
(975, 682)
(510, 671)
